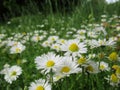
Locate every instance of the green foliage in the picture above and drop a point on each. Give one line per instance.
(87, 12)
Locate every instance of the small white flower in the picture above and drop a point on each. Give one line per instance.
(40, 84)
(37, 38)
(53, 38)
(92, 34)
(103, 66)
(91, 56)
(46, 43)
(56, 47)
(92, 67)
(11, 73)
(61, 41)
(17, 48)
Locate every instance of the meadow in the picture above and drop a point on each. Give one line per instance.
(60, 52)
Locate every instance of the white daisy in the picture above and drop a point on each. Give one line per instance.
(48, 61)
(92, 34)
(67, 67)
(113, 80)
(5, 70)
(37, 38)
(101, 42)
(56, 47)
(81, 32)
(53, 38)
(2, 36)
(103, 66)
(40, 84)
(74, 48)
(61, 41)
(82, 61)
(12, 73)
(46, 43)
(92, 67)
(17, 48)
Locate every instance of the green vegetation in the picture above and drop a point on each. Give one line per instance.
(84, 40)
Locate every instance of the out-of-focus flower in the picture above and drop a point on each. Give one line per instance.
(17, 48)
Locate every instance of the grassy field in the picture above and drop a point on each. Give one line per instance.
(63, 52)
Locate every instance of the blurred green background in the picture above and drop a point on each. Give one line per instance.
(14, 8)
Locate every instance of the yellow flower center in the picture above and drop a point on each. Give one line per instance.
(73, 47)
(15, 44)
(62, 41)
(24, 33)
(40, 88)
(17, 50)
(113, 56)
(50, 63)
(38, 38)
(81, 33)
(101, 42)
(118, 71)
(102, 67)
(65, 69)
(46, 43)
(115, 67)
(57, 47)
(82, 60)
(114, 78)
(53, 39)
(13, 73)
(90, 68)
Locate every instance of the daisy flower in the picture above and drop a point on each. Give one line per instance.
(92, 34)
(117, 72)
(103, 66)
(11, 73)
(37, 38)
(61, 41)
(101, 42)
(74, 48)
(53, 38)
(81, 32)
(113, 80)
(56, 47)
(12, 43)
(82, 61)
(40, 84)
(48, 61)
(17, 48)
(68, 66)
(92, 67)
(46, 43)
(2, 36)
(5, 70)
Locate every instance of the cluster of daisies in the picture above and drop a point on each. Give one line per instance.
(89, 50)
